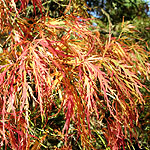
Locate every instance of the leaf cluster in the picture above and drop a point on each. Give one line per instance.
(59, 69)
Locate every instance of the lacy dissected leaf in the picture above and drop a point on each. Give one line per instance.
(61, 65)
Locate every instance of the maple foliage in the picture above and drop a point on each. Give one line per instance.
(63, 59)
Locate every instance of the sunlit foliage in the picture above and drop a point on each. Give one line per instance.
(51, 67)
